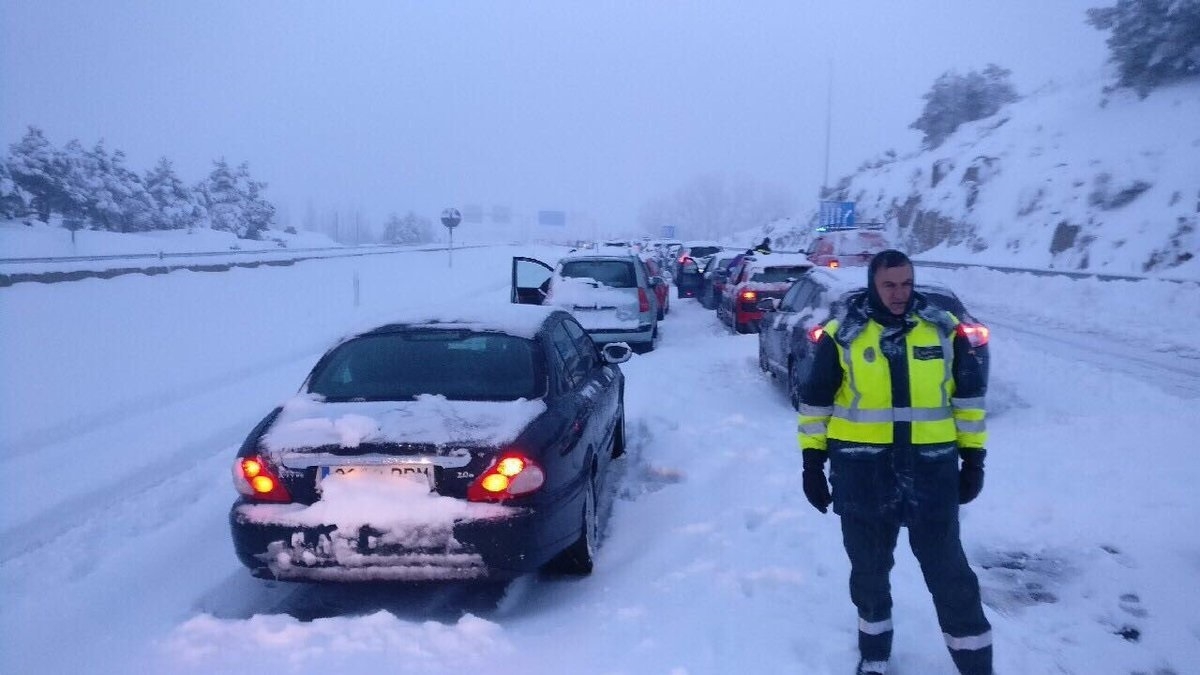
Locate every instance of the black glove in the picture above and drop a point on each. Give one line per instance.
(816, 488)
(970, 474)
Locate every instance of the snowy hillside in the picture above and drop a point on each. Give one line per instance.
(1067, 178)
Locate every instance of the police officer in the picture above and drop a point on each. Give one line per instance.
(895, 400)
(763, 247)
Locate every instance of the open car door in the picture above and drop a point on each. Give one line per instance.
(530, 281)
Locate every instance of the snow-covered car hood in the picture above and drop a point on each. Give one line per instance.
(308, 422)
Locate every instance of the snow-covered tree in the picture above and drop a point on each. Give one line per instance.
(259, 213)
(109, 195)
(221, 198)
(12, 199)
(234, 201)
(40, 171)
(957, 99)
(411, 229)
(177, 206)
(1152, 42)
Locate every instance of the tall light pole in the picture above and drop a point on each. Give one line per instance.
(828, 125)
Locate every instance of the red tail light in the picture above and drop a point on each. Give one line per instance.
(684, 258)
(511, 475)
(815, 333)
(253, 477)
(976, 333)
(834, 263)
(643, 301)
(749, 296)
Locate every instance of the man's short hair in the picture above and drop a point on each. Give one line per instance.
(888, 258)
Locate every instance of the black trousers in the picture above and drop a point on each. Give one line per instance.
(870, 543)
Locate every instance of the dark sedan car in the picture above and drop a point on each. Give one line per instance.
(475, 445)
(791, 326)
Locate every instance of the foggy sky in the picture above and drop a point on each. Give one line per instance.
(592, 107)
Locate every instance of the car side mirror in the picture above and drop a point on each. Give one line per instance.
(767, 305)
(616, 352)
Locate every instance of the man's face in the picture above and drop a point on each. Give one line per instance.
(894, 286)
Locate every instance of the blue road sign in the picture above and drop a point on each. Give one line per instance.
(836, 215)
(554, 218)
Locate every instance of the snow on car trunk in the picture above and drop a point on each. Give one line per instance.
(308, 422)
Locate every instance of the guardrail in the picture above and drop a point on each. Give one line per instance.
(1053, 273)
(161, 255)
(270, 257)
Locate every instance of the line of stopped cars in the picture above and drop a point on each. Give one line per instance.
(485, 443)
(787, 298)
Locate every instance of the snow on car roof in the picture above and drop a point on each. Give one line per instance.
(513, 319)
(601, 254)
(841, 280)
(761, 262)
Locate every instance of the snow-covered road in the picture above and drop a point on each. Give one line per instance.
(124, 400)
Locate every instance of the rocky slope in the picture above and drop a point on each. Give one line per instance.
(1066, 178)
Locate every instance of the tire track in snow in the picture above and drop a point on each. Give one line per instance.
(1176, 372)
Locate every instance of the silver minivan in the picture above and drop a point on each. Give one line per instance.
(611, 294)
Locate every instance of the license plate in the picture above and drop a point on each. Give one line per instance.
(419, 473)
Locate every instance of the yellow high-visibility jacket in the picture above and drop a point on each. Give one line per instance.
(857, 407)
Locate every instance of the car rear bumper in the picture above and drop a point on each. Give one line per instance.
(493, 548)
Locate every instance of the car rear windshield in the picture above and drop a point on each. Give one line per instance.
(613, 273)
(945, 301)
(777, 274)
(460, 365)
(861, 242)
(701, 251)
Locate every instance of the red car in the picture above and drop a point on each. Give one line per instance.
(850, 247)
(755, 279)
(662, 291)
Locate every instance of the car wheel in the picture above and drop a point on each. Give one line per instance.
(579, 558)
(762, 360)
(662, 314)
(794, 386)
(646, 347)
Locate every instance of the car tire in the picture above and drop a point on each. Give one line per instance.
(580, 557)
(653, 343)
(793, 385)
(762, 360)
